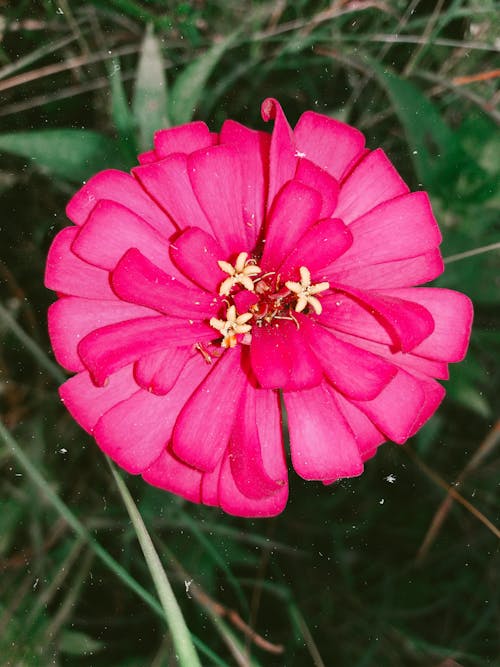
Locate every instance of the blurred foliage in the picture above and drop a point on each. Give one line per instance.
(344, 577)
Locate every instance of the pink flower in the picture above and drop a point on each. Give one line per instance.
(229, 267)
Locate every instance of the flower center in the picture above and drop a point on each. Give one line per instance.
(270, 299)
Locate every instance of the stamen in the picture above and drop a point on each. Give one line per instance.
(241, 273)
(305, 291)
(232, 326)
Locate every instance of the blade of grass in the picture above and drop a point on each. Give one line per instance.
(184, 646)
(471, 253)
(150, 96)
(37, 352)
(46, 490)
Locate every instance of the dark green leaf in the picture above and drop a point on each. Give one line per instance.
(73, 155)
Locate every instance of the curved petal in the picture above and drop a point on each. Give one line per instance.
(167, 181)
(322, 243)
(196, 253)
(106, 350)
(397, 407)
(271, 356)
(136, 431)
(246, 452)
(170, 474)
(322, 445)
(253, 149)
(183, 139)
(294, 210)
(72, 318)
(139, 281)
(87, 403)
(67, 274)
(282, 154)
(408, 322)
(400, 228)
(121, 188)
(407, 360)
(111, 230)
(332, 145)
(396, 273)
(234, 502)
(158, 371)
(355, 372)
(452, 313)
(216, 178)
(374, 180)
(367, 435)
(203, 428)
(321, 181)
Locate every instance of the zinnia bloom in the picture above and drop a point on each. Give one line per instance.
(234, 267)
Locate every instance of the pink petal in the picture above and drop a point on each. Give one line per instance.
(395, 410)
(203, 428)
(373, 181)
(322, 444)
(245, 452)
(294, 210)
(183, 139)
(136, 431)
(210, 486)
(244, 300)
(344, 313)
(196, 254)
(147, 157)
(398, 273)
(111, 230)
(452, 313)
(106, 350)
(321, 181)
(87, 403)
(281, 358)
(407, 322)
(234, 502)
(170, 474)
(121, 188)
(332, 145)
(400, 228)
(282, 156)
(368, 437)
(434, 394)
(271, 356)
(253, 149)
(66, 273)
(406, 360)
(216, 177)
(355, 372)
(137, 280)
(317, 248)
(167, 181)
(72, 318)
(158, 371)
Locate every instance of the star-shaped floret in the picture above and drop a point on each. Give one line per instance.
(305, 291)
(241, 273)
(232, 326)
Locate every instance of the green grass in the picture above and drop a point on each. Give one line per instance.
(345, 577)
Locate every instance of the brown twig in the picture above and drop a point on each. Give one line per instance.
(220, 611)
(482, 76)
(453, 493)
(484, 449)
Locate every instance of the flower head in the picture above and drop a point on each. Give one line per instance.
(230, 267)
